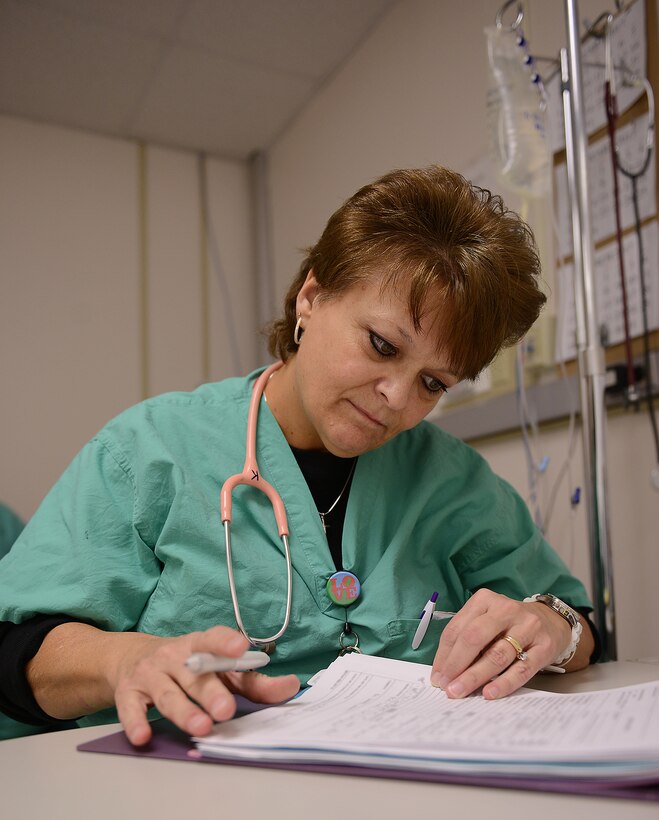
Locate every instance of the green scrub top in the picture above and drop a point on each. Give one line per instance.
(10, 528)
(130, 537)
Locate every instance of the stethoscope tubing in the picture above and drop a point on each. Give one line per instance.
(251, 477)
(234, 595)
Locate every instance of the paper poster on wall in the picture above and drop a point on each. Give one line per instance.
(628, 47)
(632, 148)
(608, 295)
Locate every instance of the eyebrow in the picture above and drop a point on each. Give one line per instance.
(409, 340)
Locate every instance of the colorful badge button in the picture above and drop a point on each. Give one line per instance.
(343, 588)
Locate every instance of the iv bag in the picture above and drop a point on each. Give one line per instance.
(516, 117)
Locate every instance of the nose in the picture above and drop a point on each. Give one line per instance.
(395, 389)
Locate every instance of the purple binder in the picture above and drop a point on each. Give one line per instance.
(171, 743)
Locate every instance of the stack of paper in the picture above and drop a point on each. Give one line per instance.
(376, 712)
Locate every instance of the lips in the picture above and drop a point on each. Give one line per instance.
(365, 414)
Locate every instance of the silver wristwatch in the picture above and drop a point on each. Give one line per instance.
(569, 615)
(559, 606)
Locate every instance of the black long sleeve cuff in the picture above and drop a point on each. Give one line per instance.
(597, 649)
(19, 643)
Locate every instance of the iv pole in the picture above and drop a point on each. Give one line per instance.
(590, 353)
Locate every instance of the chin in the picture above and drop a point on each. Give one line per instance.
(351, 446)
(347, 436)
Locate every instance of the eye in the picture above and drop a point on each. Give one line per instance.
(433, 385)
(381, 346)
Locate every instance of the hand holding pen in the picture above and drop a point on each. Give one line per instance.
(202, 662)
(191, 679)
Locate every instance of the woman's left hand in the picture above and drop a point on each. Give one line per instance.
(473, 651)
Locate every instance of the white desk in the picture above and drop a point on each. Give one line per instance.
(43, 776)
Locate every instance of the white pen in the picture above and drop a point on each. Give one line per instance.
(202, 662)
(426, 617)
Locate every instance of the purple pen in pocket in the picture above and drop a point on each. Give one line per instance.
(424, 621)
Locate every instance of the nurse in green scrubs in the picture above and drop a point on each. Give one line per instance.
(417, 282)
(10, 528)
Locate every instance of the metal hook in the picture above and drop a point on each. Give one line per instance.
(599, 28)
(345, 637)
(504, 9)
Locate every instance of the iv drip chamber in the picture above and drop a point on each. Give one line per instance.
(516, 116)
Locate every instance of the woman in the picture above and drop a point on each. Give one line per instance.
(416, 283)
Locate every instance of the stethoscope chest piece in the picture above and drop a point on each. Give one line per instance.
(268, 648)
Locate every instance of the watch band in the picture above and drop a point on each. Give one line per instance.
(567, 613)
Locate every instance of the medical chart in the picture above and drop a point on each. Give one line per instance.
(373, 710)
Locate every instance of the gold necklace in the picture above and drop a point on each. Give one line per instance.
(327, 512)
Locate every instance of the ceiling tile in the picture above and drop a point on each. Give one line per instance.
(225, 76)
(304, 37)
(156, 18)
(86, 75)
(207, 103)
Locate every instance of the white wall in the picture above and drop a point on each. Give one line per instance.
(414, 94)
(78, 343)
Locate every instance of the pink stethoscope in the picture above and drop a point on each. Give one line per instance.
(251, 476)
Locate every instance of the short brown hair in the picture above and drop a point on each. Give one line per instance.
(434, 235)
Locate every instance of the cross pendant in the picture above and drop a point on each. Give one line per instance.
(322, 521)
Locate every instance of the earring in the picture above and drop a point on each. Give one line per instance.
(299, 330)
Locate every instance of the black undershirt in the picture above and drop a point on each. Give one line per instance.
(326, 476)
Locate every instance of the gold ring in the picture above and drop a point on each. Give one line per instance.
(517, 646)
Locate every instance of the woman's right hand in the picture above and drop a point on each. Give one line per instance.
(80, 669)
(152, 672)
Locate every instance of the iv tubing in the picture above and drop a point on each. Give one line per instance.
(611, 117)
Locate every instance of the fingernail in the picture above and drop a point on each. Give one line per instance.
(491, 693)
(438, 680)
(455, 689)
(197, 724)
(219, 708)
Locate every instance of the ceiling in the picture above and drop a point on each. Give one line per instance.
(220, 76)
